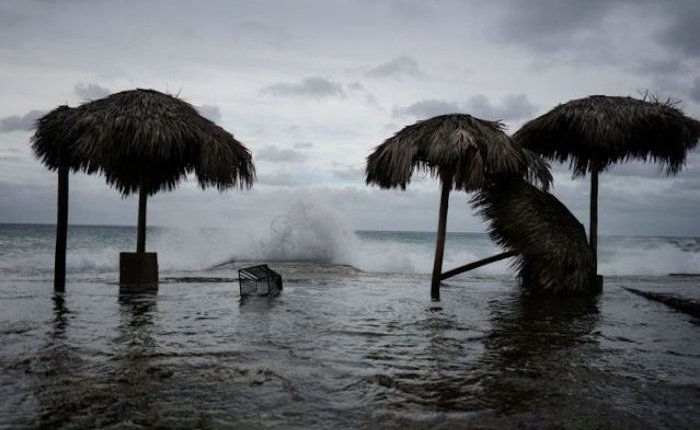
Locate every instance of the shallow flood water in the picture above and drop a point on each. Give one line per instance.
(345, 349)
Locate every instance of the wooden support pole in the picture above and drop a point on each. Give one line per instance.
(59, 276)
(440, 241)
(141, 232)
(477, 264)
(593, 230)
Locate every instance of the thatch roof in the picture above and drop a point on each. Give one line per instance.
(54, 144)
(146, 137)
(554, 255)
(458, 149)
(610, 130)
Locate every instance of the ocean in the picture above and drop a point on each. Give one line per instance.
(352, 342)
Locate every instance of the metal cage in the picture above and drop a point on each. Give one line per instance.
(259, 280)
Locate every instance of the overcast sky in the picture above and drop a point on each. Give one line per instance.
(311, 87)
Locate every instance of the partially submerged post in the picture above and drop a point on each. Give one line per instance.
(597, 132)
(144, 142)
(460, 151)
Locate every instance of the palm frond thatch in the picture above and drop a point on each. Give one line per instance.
(554, 256)
(460, 150)
(143, 138)
(54, 142)
(608, 129)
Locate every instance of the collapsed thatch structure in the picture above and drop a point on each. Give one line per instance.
(553, 256)
(461, 151)
(596, 132)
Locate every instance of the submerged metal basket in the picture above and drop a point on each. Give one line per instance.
(259, 280)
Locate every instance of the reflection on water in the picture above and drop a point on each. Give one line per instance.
(350, 351)
(534, 349)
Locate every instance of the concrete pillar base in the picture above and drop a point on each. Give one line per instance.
(138, 271)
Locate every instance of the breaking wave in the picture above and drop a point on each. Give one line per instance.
(307, 233)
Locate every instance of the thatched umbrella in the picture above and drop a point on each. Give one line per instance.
(597, 132)
(459, 150)
(147, 141)
(54, 145)
(553, 256)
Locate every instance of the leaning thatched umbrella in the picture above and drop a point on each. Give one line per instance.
(458, 149)
(553, 256)
(53, 144)
(596, 132)
(145, 141)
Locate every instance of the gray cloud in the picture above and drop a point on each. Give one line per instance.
(399, 66)
(211, 112)
(277, 36)
(695, 90)
(511, 108)
(90, 91)
(313, 87)
(20, 123)
(279, 180)
(426, 109)
(303, 145)
(349, 174)
(275, 154)
(8, 158)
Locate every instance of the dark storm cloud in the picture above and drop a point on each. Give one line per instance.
(426, 109)
(637, 169)
(662, 66)
(683, 32)
(552, 24)
(421, 10)
(90, 91)
(315, 87)
(695, 90)
(400, 66)
(25, 202)
(511, 108)
(211, 112)
(275, 154)
(20, 123)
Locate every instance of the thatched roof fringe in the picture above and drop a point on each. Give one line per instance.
(457, 149)
(140, 135)
(607, 130)
(54, 142)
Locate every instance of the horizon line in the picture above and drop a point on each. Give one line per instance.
(356, 230)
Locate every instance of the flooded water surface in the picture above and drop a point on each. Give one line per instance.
(343, 349)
